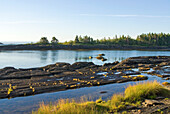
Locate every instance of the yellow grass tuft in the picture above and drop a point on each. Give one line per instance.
(145, 90)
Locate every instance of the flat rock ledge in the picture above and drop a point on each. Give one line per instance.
(62, 76)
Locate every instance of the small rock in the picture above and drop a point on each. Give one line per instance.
(104, 59)
(102, 92)
(101, 54)
(152, 102)
(139, 111)
(167, 78)
(133, 110)
(143, 103)
(130, 107)
(159, 98)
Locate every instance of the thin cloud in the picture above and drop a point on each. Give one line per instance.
(147, 16)
(28, 22)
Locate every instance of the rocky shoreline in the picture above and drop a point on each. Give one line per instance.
(62, 76)
(80, 47)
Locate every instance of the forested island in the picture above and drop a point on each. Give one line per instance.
(149, 41)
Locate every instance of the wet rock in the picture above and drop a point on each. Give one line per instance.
(7, 70)
(168, 78)
(109, 64)
(157, 68)
(143, 69)
(102, 92)
(160, 73)
(79, 65)
(164, 64)
(104, 59)
(166, 70)
(101, 54)
(99, 57)
(130, 107)
(62, 64)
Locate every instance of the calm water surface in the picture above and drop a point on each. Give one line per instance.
(27, 59)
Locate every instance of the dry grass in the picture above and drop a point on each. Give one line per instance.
(145, 90)
(71, 107)
(133, 95)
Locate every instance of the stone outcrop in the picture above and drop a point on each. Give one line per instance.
(61, 76)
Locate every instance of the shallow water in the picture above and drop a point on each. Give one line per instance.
(27, 59)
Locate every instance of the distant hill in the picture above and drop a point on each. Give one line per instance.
(1, 43)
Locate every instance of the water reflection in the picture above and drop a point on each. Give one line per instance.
(43, 56)
(27, 59)
(54, 56)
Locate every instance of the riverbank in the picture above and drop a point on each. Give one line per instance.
(62, 76)
(142, 98)
(80, 47)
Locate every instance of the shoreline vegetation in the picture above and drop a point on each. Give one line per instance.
(136, 97)
(150, 41)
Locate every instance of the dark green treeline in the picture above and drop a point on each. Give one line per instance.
(149, 39)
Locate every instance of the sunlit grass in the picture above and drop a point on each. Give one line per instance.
(71, 107)
(133, 96)
(145, 90)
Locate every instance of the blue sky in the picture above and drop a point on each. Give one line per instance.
(29, 20)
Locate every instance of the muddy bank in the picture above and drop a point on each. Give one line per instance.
(80, 47)
(62, 76)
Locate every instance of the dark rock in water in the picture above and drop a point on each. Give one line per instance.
(164, 64)
(90, 57)
(166, 70)
(102, 92)
(134, 61)
(159, 73)
(167, 78)
(99, 57)
(143, 68)
(104, 59)
(101, 54)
